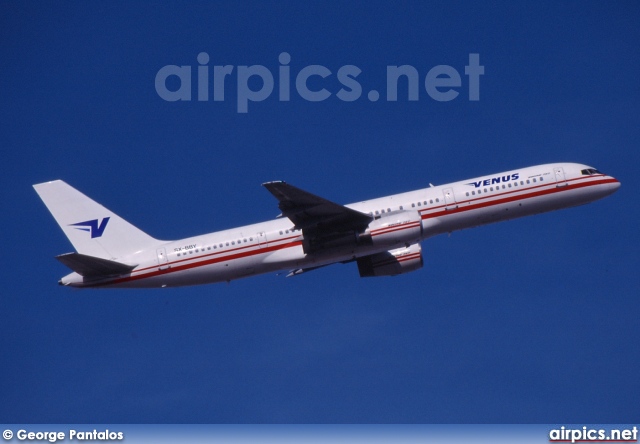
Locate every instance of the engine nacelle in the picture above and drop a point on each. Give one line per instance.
(403, 227)
(392, 262)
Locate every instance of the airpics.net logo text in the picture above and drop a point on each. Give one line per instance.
(256, 83)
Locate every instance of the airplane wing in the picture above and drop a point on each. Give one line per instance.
(310, 212)
(299, 271)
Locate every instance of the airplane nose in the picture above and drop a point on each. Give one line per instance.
(613, 185)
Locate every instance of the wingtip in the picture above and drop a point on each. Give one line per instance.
(44, 184)
(273, 182)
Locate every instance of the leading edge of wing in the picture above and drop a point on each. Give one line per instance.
(308, 211)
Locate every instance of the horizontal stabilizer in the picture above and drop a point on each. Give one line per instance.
(90, 266)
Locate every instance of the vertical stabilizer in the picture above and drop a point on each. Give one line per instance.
(92, 229)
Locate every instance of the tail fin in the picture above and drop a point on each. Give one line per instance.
(92, 229)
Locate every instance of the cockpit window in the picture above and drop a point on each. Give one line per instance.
(590, 172)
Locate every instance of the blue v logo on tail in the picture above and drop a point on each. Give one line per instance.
(92, 226)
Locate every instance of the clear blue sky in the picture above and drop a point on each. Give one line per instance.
(533, 320)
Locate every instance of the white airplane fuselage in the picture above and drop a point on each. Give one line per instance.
(400, 223)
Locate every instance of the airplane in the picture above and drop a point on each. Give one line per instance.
(381, 235)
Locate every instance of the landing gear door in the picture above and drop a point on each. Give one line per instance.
(561, 181)
(449, 199)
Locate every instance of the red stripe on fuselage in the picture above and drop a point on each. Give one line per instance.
(491, 200)
(522, 194)
(394, 228)
(256, 247)
(201, 263)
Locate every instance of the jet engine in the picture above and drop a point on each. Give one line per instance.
(392, 262)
